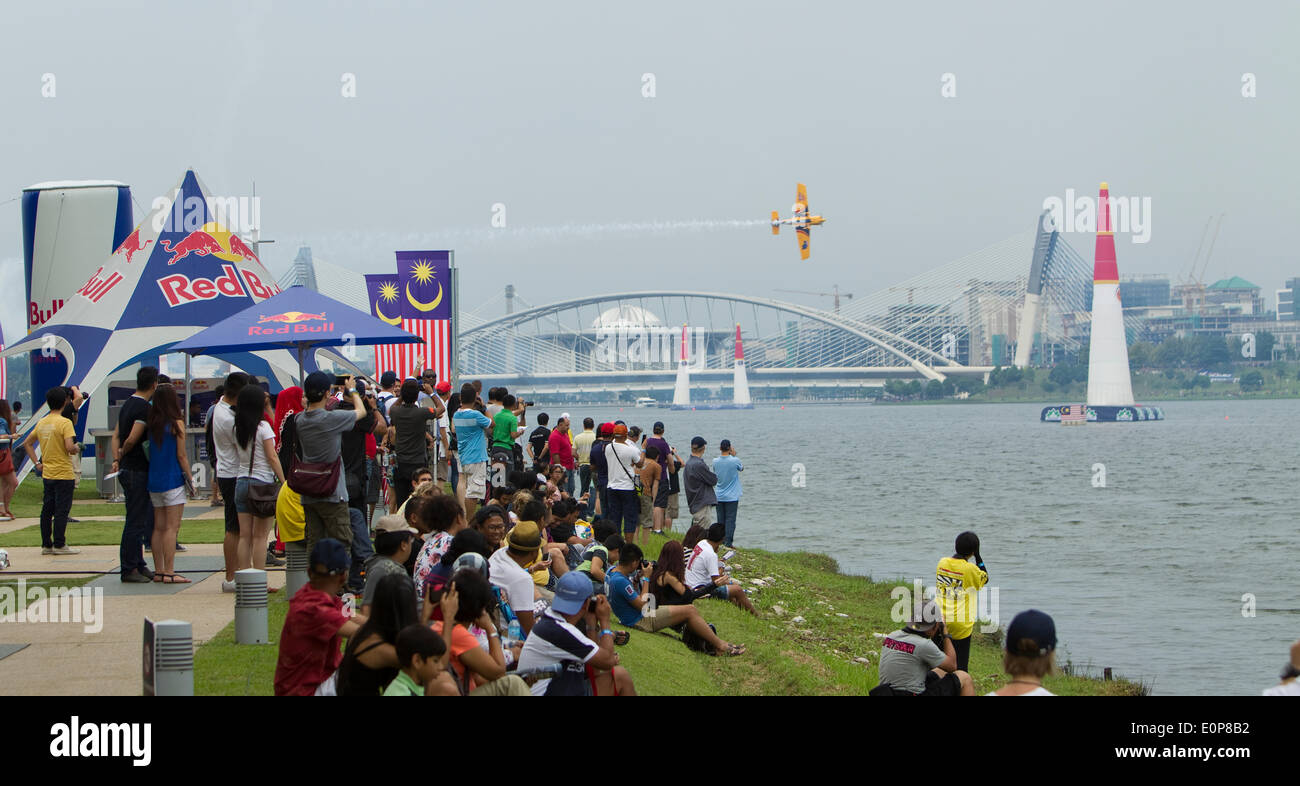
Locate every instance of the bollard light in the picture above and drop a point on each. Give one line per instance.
(251, 624)
(295, 566)
(168, 658)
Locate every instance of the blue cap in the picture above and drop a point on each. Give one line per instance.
(1030, 633)
(571, 593)
(331, 554)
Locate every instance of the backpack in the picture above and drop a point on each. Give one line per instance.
(696, 642)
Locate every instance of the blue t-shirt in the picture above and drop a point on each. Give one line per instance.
(621, 595)
(165, 471)
(471, 441)
(728, 469)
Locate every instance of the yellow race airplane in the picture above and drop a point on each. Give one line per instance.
(801, 221)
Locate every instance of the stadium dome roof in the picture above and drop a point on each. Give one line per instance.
(626, 315)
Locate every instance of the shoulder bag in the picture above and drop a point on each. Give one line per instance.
(261, 496)
(636, 480)
(312, 478)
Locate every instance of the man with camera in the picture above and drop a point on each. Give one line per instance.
(409, 436)
(320, 442)
(636, 608)
(561, 637)
(919, 660)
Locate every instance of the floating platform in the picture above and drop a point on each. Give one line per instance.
(712, 406)
(1102, 414)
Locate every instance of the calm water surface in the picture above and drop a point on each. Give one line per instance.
(1145, 575)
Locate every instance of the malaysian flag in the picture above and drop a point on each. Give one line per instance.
(425, 279)
(382, 294)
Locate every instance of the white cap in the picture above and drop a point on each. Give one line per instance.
(565, 416)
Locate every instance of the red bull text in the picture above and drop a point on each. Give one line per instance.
(179, 289)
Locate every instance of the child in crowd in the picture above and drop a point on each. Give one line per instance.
(423, 657)
(316, 623)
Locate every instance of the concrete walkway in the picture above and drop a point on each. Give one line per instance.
(64, 658)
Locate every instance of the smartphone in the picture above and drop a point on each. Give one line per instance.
(339, 380)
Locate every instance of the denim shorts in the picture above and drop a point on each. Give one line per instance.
(721, 593)
(241, 493)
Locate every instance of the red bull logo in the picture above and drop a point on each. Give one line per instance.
(97, 287)
(200, 243)
(212, 239)
(179, 289)
(131, 246)
(36, 316)
(290, 322)
(291, 317)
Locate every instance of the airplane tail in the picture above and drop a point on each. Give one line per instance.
(776, 223)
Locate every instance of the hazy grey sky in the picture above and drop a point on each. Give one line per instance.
(539, 106)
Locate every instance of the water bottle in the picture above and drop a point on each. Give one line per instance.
(514, 631)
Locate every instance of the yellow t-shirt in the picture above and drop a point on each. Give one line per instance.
(958, 582)
(289, 516)
(51, 430)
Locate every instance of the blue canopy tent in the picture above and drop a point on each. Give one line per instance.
(297, 318)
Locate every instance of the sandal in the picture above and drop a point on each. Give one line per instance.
(158, 578)
(734, 650)
(173, 578)
(622, 637)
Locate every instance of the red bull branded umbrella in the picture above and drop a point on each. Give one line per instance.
(176, 274)
(298, 319)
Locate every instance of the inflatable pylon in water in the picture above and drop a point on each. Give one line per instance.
(1110, 384)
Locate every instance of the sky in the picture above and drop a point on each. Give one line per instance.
(542, 114)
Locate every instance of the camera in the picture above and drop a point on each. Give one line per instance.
(530, 403)
(591, 606)
(340, 380)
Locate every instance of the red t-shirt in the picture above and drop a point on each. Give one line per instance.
(372, 447)
(309, 642)
(561, 449)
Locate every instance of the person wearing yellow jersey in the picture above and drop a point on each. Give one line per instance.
(57, 439)
(958, 580)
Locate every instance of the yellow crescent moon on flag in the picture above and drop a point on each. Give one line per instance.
(390, 320)
(424, 306)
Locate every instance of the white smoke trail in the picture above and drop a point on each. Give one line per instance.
(344, 245)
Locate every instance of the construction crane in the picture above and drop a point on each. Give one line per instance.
(835, 294)
(911, 291)
(1194, 286)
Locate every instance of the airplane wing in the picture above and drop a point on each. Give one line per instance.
(804, 236)
(801, 197)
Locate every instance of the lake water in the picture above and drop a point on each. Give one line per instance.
(1146, 575)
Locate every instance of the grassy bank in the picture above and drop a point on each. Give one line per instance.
(109, 533)
(813, 644)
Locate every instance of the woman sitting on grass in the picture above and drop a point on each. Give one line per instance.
(668, 580)
(370, 661)
(467, 603)
(693, 537)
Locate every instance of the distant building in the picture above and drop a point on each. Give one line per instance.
(302, 273)
(1235, 295)
(1286, 309)
(1144, 292)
